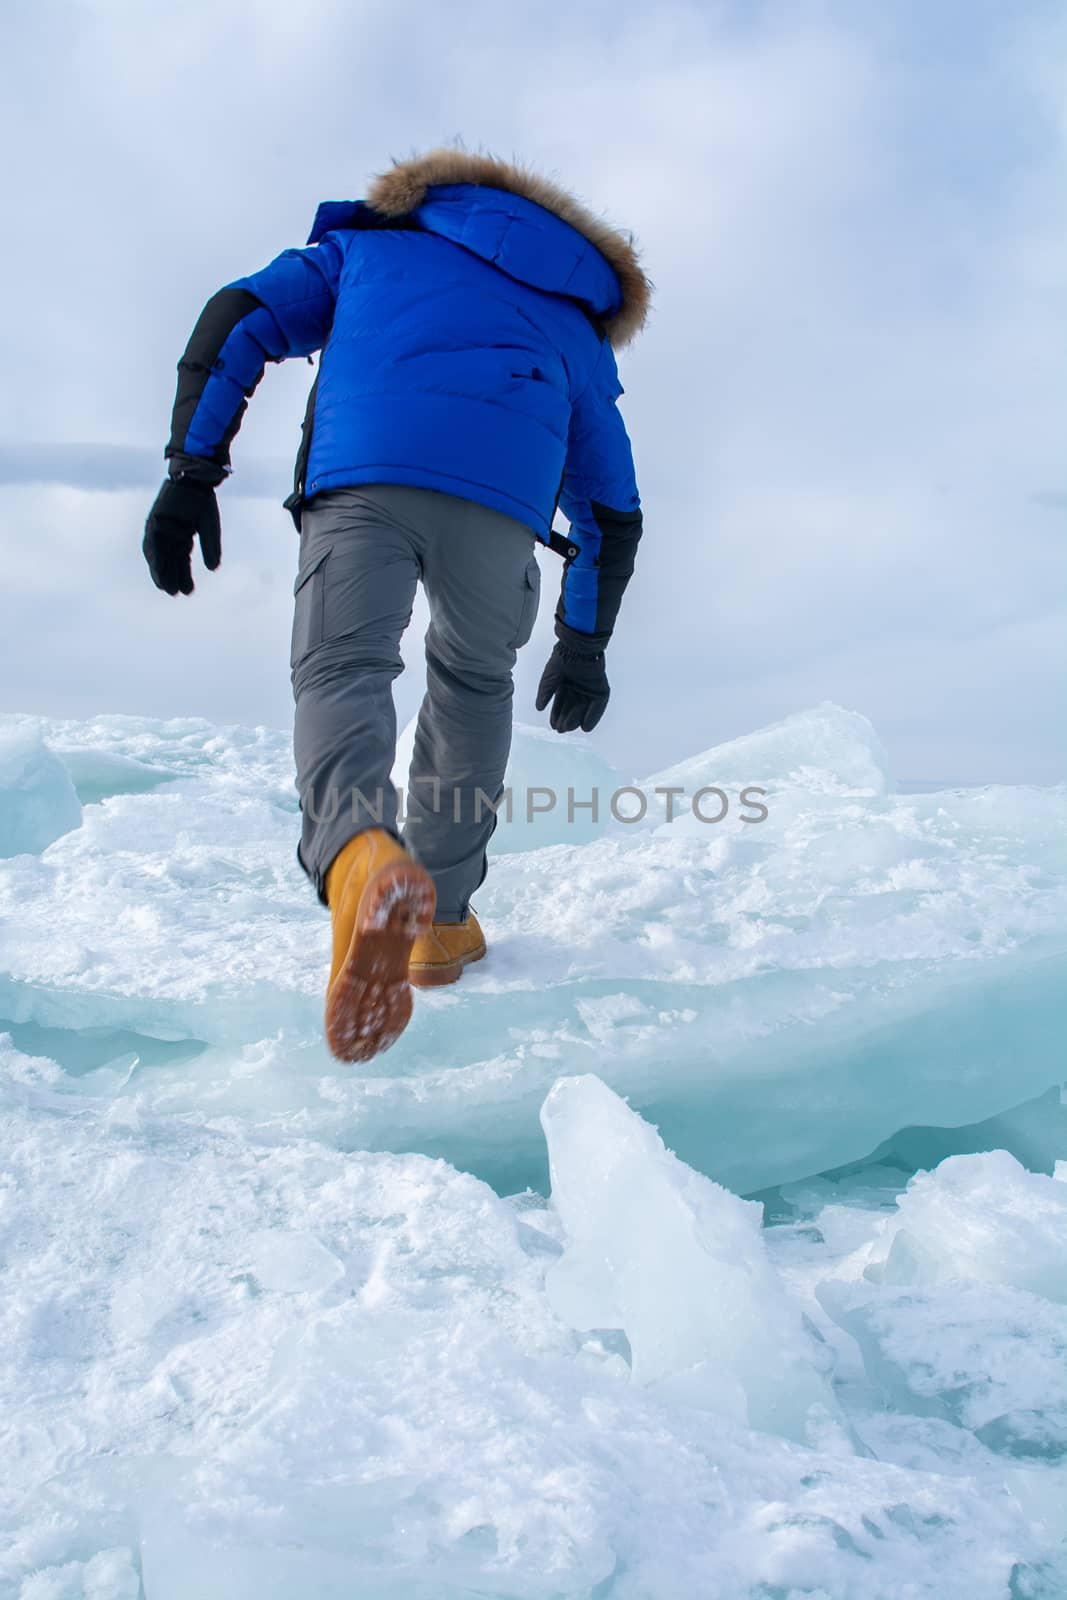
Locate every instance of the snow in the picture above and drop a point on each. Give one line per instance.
(248, 1369)
(492, 1316)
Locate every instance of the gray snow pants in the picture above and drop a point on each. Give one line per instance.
(362, 553)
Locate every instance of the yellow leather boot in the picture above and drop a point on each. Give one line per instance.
(440, 955)
(381, 902)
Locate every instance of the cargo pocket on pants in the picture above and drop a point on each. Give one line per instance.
(531, 598)
(309, 606)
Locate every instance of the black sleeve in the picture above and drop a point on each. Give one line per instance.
(203, 364)
(284, 310)
(620, 533)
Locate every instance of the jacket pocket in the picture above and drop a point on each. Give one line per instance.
(531, 597)
(309, 608)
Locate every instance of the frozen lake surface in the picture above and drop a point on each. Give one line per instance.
(707, 1239)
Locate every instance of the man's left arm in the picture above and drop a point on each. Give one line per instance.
(284, 310)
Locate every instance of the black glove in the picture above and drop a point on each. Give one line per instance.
(577, 684)
(184, 507)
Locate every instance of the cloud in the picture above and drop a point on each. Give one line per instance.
(107, 468)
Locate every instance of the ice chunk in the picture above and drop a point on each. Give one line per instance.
(561, 789)
(293, 1263)
(98, 774)
(990, 1359)
(38, 803)
(825, 751)
(677, 1263)
(1035, 1132)
(962, 1309)
(980, 1217)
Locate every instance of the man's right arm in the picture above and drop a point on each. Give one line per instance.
(600, 500)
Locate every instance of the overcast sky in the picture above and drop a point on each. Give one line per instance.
(847, 411)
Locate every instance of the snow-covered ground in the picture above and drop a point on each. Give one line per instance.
(462, 1324)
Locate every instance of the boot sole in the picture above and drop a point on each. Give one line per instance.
(429, 974)
(368, 1005)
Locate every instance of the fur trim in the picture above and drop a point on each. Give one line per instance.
(403, 188)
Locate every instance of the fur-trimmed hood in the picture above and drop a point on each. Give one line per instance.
(620, 296)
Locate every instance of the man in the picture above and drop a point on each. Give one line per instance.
(467, 312)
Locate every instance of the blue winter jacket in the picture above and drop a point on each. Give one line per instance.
(466, 347)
